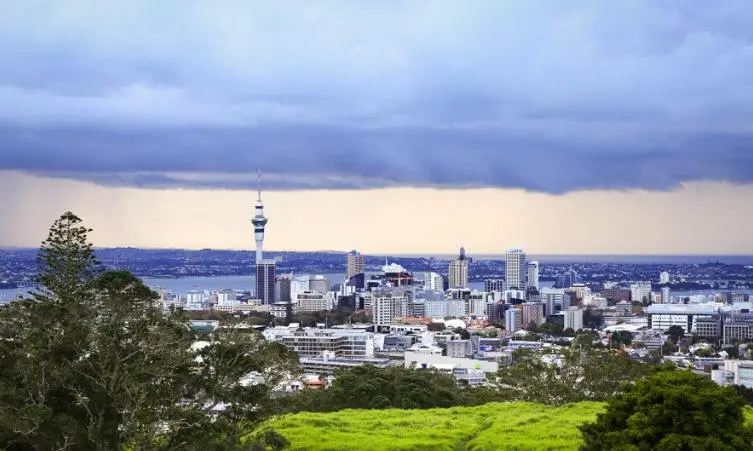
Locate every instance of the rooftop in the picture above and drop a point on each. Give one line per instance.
(682, 309)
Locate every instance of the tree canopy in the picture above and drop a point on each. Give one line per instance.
(574, 375)
(369, 387)
(671, 410)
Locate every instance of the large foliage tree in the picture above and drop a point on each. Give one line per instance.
(94, 362)
(369, 387)
(671, 410)
(570, 376)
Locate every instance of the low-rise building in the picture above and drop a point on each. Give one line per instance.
(328, 365)
(313, 342)
(423, 360)
(734, 372)
(459, 348)
(663, 316)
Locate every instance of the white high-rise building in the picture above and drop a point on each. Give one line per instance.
(573, 318)
(666, 295)
(640, 292)
(387, 305)
(513, 320)
(457, 273)
(664, 277)
(433, 281)
(515, 269)
(476, 302)
(299, 284)
(533, 275)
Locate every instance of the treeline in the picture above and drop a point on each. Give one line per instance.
(585, 374)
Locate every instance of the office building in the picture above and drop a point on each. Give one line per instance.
(615, 295)
(640, 292)
(319, 284)
(666, 295)
(355, 263)
(736, 332)
(663, 316)
(475, 303)
(457, 273)
(459, 348)
(573, 318)
(310, 342)
(708, 326)
(265, 281)
(532, 312)
(513, 320)
(533, 275)
(329, 365)
(387, 304)
(515, 269)
(664, 277)
(498, 285)
(734, 372)
(554, 300)
(442, 308)
(357, 282)
(283, 288)
(433, 281)
(313, 301)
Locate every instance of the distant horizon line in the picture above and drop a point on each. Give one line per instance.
(403, 254)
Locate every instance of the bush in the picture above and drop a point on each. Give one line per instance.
(671, 410)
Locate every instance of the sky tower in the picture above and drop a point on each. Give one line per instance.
(265, 269)
(259, 221)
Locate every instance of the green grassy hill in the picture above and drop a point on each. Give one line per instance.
(496, 426)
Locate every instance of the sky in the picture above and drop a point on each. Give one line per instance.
(415, 127)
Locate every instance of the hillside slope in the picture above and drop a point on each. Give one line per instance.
(495, 426)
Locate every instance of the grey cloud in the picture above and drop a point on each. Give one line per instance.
(550, 96)
(335, 158)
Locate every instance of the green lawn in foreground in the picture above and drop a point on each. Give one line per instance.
(518, 426)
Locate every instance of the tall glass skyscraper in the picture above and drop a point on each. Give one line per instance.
(515, 269)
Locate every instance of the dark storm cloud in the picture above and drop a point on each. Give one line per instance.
(558, 97)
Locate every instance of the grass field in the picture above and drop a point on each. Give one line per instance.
(496, 426)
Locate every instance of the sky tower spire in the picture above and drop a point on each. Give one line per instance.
(258, 186)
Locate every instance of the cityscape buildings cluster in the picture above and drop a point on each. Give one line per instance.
(439, 321)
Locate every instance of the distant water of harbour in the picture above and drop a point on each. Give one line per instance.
(248, 283)
(186, 284)
(244, 283)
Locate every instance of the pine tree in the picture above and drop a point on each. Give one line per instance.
(66, 260)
